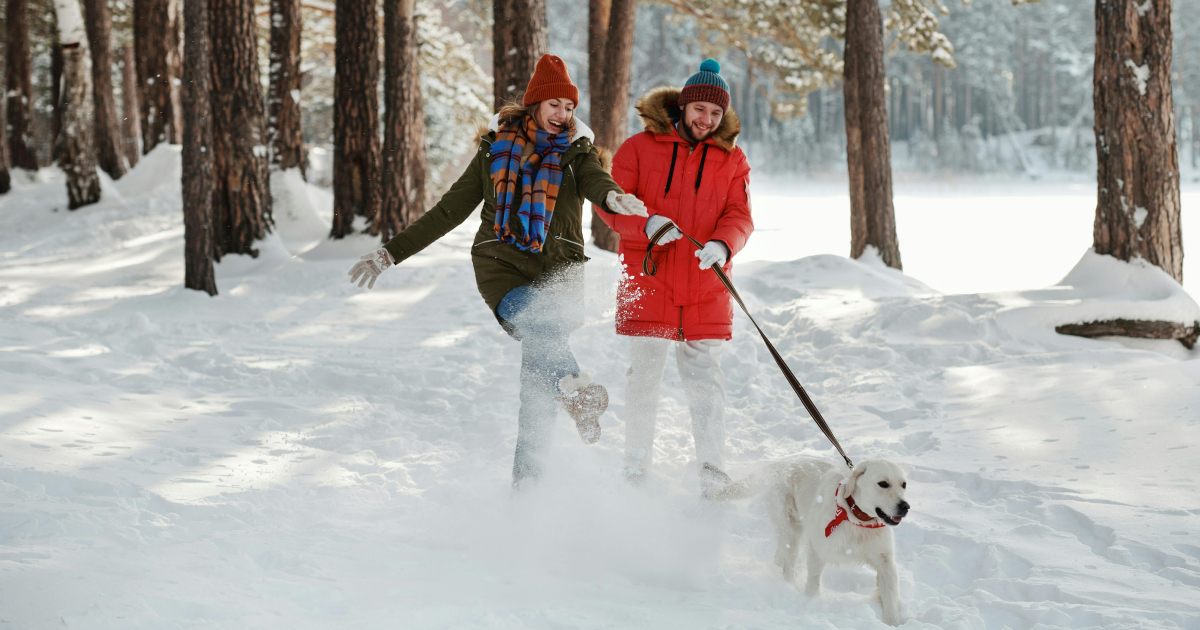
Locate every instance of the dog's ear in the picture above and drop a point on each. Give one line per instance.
(852, 481)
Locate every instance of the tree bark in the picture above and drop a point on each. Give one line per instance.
(612, 64)
(77, 152)
(197, 150)
(868, 151)
(131, 129)
(5, 176)
(283, 99)
(56, 104)
(99, 34)
(241, 193)
(404, 126)
(519, 39)
(1138, 205)
(154, 22)
(1187, 335)
(19, 83)
(355, 115)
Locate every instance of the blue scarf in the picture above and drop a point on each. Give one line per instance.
(540, 179)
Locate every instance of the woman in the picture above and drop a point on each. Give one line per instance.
(532, 171)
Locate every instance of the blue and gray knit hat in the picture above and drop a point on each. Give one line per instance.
(707, 86)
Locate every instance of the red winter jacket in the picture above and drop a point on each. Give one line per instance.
(707, 195)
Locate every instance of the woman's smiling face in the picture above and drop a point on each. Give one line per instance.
(554, 114)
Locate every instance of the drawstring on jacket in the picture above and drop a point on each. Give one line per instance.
(671, 174)
(700, 173)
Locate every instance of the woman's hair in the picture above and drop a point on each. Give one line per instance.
(515, 113)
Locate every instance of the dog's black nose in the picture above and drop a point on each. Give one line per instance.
(902, 508)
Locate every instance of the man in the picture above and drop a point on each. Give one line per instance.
(685, 169)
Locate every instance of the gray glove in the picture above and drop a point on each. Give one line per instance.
(657, 221)
(714, 253)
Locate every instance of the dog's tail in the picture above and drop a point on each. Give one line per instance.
(737, 490)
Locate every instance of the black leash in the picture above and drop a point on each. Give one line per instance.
(650, 268)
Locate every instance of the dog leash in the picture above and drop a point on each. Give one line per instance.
(650, 268)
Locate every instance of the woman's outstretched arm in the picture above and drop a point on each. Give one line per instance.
(451, 210)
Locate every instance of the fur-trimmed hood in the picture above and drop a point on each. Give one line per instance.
(659, 109)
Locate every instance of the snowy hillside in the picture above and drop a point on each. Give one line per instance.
(301, 453)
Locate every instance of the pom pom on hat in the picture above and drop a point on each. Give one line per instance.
(706, 86)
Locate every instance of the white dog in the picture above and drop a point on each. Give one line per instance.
(841, 519)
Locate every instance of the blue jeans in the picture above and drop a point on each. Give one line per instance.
(545, 360)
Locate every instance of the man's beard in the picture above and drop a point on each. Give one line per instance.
(685, 132)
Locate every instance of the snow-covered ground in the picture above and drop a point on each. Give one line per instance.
(301, 453)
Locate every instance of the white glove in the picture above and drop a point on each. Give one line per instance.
(657, 221)
(714, 253)
(626, 204)
(370, 266)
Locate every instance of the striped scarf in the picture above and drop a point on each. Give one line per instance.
(540, 178)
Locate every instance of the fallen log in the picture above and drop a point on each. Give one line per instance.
(1187, 335)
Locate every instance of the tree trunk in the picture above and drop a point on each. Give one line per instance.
(5, 176)
(404, 127)
(283, 100)
(99, 34)
(154, 22)
(355, 115)
(100, 37)
(1138, 206)
(519, 39)
(56, 104)
(868, 152)
(197, 150)
(19, 82)
(131, 129)
(242, 193)
(77, 153)
(610, 60)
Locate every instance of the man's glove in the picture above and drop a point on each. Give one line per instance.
(625, 204)
(370, 266)
(714, 253)
(657, 221)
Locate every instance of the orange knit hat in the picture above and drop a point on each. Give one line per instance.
(550, 80)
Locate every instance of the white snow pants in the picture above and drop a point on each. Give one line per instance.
(703, 384)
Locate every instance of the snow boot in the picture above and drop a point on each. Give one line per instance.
(585, 402)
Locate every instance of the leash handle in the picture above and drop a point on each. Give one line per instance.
(650, 268)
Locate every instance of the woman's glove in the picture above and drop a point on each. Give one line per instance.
(625, 204)
(714, 253)
(657, 221)
(370, 266)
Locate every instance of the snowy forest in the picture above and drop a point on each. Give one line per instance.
(350, 313)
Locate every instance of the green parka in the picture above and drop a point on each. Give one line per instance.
(500, 267)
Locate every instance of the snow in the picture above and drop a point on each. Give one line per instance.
(297, 452)
(1141, 73)
(70, 22)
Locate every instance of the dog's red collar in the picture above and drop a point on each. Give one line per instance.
(841, 516)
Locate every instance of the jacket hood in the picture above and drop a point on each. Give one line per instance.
(659, 109)
(581, 129)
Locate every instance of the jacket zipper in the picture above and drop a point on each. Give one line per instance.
(568, 240)
(681, 323)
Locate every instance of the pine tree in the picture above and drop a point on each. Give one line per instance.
(154, 25)
(5, 176)
(610, 61)
(404, 158)
(99, 34)
(283, 97)
(197, 150)
(519, 39)
(77, 153)
(868, 149)
(19, 81)
(241, 192)
(1138, 205)
(131, 128)
(355, 115)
